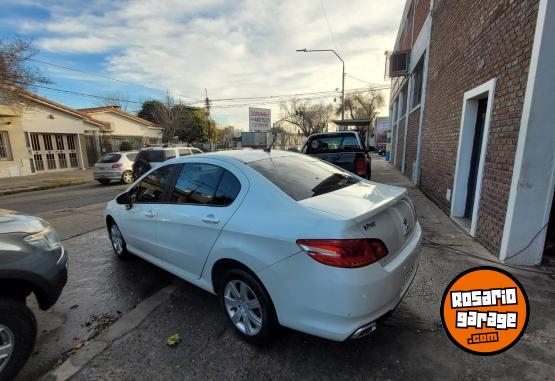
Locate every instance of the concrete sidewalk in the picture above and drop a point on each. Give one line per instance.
(11, 185)
(411, 344)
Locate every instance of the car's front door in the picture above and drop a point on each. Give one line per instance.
(138, 223)
(205, 196)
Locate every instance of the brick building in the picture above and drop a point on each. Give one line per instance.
(473, 83)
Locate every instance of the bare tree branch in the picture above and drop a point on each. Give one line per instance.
(14, 70)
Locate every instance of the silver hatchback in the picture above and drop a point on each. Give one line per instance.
(116, 166)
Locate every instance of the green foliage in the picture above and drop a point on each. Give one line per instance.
(149, 110)
(173, 340)
(125, 146)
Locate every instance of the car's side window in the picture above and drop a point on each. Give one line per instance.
(151, 188)
(227, 190)
(195, 151)
(184, 152)
(169, 153)
(196, 184)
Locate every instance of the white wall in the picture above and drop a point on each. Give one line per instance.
(36, 119)
(125, 126)
(534, 170)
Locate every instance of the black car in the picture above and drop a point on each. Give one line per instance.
(344, 149)
(152, 157)
(32, 261)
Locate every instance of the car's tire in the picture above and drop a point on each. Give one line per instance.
(103, 181)
(118, 242)
(18, 327)
(127, 177)
(247, 306)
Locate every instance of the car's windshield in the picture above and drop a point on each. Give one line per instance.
(302, 177)
(131, 156)
(110, 158)
(327, 143)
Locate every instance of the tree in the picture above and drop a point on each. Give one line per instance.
(15, 73)
(362, 106)
(309, 118)
(166, 114)
(148, 110)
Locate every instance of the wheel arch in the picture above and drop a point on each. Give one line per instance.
(19, 289)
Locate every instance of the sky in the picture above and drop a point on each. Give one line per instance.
(233, 49)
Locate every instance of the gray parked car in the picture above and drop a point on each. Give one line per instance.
(32, 261)
(117, 166)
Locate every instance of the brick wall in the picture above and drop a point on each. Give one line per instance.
(472, 42)
(421, 10)
(412, 140)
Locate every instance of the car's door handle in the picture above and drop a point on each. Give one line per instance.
(211, 219)
(150, 213)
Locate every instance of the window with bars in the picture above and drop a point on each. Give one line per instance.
(71, 142)
(5, 149)
(47, 142)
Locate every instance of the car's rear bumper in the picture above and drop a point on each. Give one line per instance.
(111, 175)
(333, 302)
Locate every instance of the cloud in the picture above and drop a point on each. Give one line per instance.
(234, 49)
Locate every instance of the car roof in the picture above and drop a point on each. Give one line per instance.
(333, 133)
(120, 152)
(244, 156)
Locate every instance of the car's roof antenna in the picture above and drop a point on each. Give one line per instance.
(269, 148)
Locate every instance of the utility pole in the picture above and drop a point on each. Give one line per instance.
(207, 112)
(305, 50)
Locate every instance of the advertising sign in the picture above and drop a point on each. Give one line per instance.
(260, 119)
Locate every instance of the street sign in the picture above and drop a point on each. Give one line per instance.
(260, 119)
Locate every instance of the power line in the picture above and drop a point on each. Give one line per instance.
(272, 99)
(77, 93)
(356, 79)
(329, 25)
(105, 77)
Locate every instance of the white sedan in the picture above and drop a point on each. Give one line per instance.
(282, 238)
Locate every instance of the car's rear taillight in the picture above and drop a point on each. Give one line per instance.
(116, 165)
(360, 166)
(344, 252)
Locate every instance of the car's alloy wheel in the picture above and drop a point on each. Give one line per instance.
(247, 305)
(118, 243)
(7, 340)
(18, 331)
(127, 177)
(243, 307)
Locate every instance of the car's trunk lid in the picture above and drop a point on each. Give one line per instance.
(380, 211)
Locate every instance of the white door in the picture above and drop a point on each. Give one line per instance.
(204, 198)
(52, 152)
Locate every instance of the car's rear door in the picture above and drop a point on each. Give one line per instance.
(205, 196)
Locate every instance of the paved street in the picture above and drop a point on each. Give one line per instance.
(411, 344)
(100, 288)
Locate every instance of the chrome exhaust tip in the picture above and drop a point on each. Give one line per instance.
(364, 330)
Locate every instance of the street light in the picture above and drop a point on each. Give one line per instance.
(305, 50)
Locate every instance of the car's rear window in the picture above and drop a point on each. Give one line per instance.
(110, 158)
(302, 177)
(332, 143)
(155, 155)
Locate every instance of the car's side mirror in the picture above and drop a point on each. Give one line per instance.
(124, 199)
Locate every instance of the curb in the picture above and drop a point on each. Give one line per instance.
(126, 324)
(42, 187)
